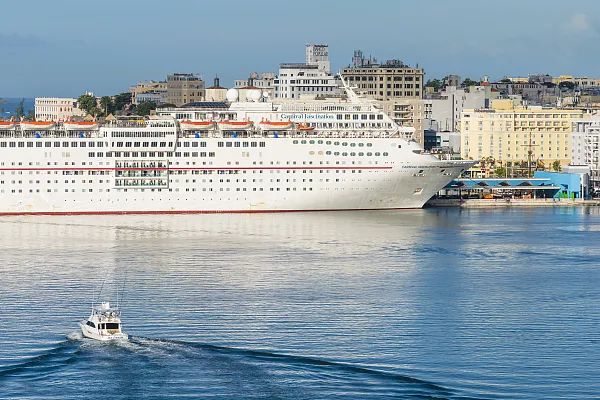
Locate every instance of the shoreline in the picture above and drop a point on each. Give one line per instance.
(488, 203)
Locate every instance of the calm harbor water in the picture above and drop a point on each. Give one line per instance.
(8, 106)
(436, 304)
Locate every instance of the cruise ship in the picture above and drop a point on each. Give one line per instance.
(247, 155)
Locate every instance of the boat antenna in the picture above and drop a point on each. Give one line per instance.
(121, 293)
(95, 300)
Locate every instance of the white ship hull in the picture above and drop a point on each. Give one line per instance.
(218, 175)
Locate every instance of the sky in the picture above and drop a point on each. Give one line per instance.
(66, 47)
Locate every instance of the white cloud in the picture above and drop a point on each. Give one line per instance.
(579, 23)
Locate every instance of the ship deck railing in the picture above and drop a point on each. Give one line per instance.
(97, 134)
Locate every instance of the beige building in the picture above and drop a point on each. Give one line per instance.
(56, 109)
(407, 113)
(508, 132)
(396, 86)
(184, 88)
(388, 81)
(216, 92)
(146, 87)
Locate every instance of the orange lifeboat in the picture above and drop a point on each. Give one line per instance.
(81, 126)
(37, 125)
(6, 125)
(275, 125)
(235, 125)
(188, 125)
(305, 128)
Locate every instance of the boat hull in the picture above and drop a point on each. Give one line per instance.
(91, 334)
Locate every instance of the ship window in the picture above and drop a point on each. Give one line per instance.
(228, 144)
(112, 325)
(90, 323)
(29, 144)
(253, 144)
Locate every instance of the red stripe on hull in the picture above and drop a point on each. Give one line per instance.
(56, 213)
(187, 168)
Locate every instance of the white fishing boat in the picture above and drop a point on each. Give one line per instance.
(104, 324)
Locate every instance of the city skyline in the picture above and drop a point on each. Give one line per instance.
(107, 50)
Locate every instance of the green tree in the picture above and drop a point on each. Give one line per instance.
(106, 105)
(505, 80)
(30, 115)
(566, 85)
(121, 100)
(469, 82)
(145, 107)
(87, 103)
(500, 172)
(20, 110)
(436, 84)
(556, 166)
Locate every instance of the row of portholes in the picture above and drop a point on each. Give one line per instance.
(329, 142)
(352, 154)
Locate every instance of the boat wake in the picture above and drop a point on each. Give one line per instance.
(202, 366)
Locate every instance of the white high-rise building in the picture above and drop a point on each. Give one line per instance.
(318, 54)
(586, 147)
(444, 111)
(56, 109)
(312, 78)
(296, 80)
